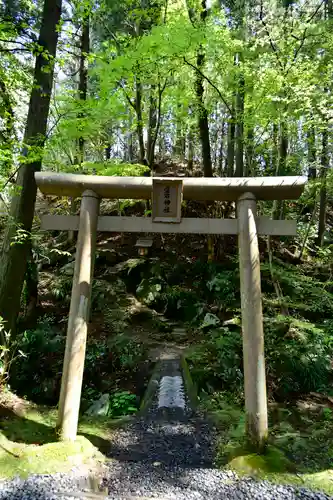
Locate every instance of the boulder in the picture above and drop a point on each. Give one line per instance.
(210, 320)
(68, 269)
(99, 407)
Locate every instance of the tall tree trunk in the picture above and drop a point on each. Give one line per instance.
(231, 146)
(130, 147)
(107, 151)
(9, 131)
(31, 282)
(203, 119)
(239, 132)
(275, 150)
(83, 88)
(190, 150)
(161, 146)
(139, 120)
(14, 256)
(180, 143)
(152, 124)
(249, 153)
(220, 159)
(203, 125)
(278, 206)
(83, 79)
(283, 149)
(311, 137)
(199, 92)
(323, 189)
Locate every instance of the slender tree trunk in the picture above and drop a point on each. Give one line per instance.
(178, 147)
(83, 80)
(130, 147)
(203, 125)
(231, 146)
(323, 189)
(249, 153)
(275, 150)
(201, 108)
(203, 120)
(131, 140)
(239, 132)
(152, 127)
(312, 171)
(31, 280)
(220, 159)
(108, 151)
(161, 146)
(9, 131)
(283, 152)
(83, 88)
(190, 150)
(139, 120)
(14, 256)
(278, 206)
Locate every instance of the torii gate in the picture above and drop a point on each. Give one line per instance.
(167, 194)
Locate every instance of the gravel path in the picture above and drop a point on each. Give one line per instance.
(168, 455)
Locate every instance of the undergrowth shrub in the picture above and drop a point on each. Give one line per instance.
(122, 403)
(181, 303)
(9, 353)
(185, 291)
(61, 287)
(217, 361)
(298, 358)
(37, 373)
(126, 351)
(114, 168)
(303, 295)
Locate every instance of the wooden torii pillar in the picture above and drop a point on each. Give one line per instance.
(245, 191)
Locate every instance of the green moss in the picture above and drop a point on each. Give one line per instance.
(22, 459)
(28, 443)
(191, 389)
(272, 461)
(275, 467)
(151, 389)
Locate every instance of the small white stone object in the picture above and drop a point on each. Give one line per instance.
(171, 392)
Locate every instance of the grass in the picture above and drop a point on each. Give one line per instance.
(28, 442)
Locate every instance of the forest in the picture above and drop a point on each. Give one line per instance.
(167, 88)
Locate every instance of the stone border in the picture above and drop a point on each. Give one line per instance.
(190, 387)
(151, 390)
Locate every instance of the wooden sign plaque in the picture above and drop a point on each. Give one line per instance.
(167, 200)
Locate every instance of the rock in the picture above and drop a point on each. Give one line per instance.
(127, 265)
(99, 407)
(234, 322)
(68, 269)
(210, 320)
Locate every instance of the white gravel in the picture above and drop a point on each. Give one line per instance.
(142, 481)
(166, 455)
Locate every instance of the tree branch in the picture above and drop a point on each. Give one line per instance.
(272, 44)
(209, 81)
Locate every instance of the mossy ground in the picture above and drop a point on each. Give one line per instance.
(273, 467)
(28, 443)
(300, 443)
